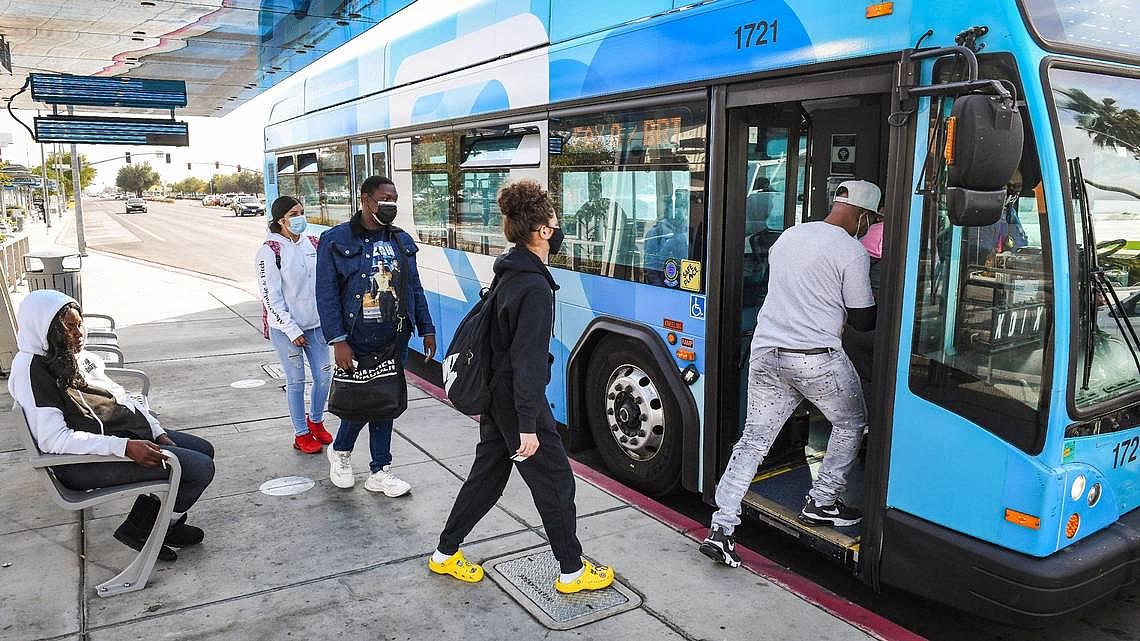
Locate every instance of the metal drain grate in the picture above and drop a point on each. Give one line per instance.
(529, 578)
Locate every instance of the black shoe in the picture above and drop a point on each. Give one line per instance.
(181, 535)
(836, 514)
(134, 531)
(720, 547)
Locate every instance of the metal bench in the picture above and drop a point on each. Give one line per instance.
(134, 576)
(101, 336)
(143, 394)
(112, 355)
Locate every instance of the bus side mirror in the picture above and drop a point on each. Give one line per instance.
(983, 149)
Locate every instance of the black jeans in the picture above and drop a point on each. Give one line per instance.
(547, 474)
(195, 455)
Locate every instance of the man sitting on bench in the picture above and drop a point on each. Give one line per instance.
(72, 407)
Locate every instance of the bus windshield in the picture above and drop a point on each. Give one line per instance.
(1105, 25)
(1099, 120)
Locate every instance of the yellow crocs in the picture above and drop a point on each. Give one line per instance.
(592, 578)
(458, 567)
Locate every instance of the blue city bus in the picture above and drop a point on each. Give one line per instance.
(1001, 471)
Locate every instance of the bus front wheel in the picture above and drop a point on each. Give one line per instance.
(635, 422)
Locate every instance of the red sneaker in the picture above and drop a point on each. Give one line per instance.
(319, 432)
(307, 444)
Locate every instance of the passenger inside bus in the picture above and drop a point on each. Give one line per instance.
(667, 238)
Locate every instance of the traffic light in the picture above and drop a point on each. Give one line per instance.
(239, 169)
(168, 159)
(187, 166)
(217, 165)
(128, 155)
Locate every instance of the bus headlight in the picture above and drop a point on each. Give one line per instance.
(1078, 489)
(1094, 494)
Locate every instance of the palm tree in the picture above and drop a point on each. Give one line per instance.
(1107, 125)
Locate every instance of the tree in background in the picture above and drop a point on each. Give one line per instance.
(137, 178)
(191, 185)
(86, 171)
(1107, 125)
(246, 182)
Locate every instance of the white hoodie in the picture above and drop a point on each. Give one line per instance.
(289, 294)
(33, 388)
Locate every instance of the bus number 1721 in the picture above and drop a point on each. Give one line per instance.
(755, 34)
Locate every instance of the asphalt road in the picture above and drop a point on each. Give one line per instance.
(182, 234)
(210, 240)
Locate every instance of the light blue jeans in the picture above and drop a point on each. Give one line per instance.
(777, 382)
(293, 362)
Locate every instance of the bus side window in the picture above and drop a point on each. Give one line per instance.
(628, 188)
(983, 317)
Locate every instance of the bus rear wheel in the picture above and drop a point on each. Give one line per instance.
(635, 422)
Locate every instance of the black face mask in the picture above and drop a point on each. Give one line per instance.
(385, 213)
(556, 240)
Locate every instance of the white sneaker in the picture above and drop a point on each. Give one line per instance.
(340, 468)
(388, 483)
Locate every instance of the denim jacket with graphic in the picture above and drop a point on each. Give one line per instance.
(344, 266)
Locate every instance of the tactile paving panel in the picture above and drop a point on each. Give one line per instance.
(529, 577)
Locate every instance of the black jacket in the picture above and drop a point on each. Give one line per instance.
(520, 343)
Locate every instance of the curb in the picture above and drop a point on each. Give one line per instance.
(815, 594)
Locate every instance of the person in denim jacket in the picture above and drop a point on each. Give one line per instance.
(369, 298)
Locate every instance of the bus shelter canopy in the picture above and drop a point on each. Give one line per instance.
(227, 51)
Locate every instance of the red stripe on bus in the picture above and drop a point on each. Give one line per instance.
(759, 564)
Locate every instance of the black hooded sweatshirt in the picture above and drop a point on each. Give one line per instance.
(520, 342)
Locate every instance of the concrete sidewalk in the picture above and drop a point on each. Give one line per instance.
(341, 564)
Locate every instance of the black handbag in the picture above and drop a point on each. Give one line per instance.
(375, 390)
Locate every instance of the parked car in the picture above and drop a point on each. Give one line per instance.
(136, 205)
(248, 206)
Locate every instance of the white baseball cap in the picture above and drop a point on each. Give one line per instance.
(860, 193)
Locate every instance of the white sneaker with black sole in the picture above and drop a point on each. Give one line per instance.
(387, 483)
(720, 547)
(837, 514)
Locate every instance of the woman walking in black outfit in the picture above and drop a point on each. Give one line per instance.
(518, 426)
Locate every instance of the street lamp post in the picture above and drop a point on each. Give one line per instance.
(43, 184)
(78, 189)
(59, 204)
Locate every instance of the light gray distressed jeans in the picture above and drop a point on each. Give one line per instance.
(777, 382)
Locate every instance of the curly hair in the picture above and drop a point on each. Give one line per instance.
(60, 359)
(526, 207)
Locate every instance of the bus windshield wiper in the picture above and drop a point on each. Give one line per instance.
(1097, 283)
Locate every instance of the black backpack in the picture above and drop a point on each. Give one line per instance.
(467, 365)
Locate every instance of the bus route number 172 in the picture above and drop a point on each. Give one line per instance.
(755, 34)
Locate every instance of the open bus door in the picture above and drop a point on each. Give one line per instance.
(788, 144)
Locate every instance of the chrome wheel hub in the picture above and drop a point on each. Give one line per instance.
(634, 412)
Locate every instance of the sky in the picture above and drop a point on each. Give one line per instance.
(234, 139)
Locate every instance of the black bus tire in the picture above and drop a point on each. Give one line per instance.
(622, 378)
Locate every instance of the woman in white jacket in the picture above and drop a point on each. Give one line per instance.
(286, 268)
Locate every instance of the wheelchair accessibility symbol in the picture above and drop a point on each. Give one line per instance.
(697, 307)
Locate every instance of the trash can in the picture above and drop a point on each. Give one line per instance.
(58, 270)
